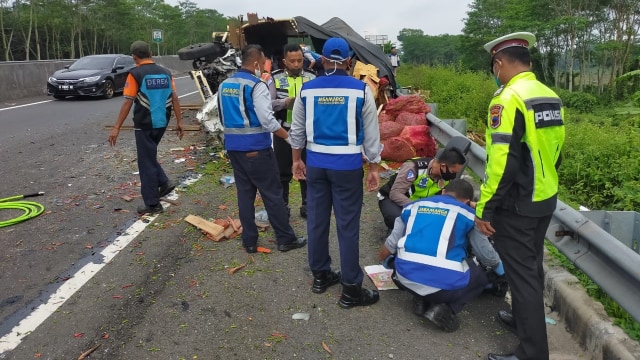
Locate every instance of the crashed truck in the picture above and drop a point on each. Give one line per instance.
(215, 61)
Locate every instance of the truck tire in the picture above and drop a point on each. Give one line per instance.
(210, 51)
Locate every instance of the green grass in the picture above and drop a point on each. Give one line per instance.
(620, 315)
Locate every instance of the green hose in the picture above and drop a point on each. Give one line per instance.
(31, 209)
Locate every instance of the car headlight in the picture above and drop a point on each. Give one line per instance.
(90, 79)
(52, 79)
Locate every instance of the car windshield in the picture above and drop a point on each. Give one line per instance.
(92, 63)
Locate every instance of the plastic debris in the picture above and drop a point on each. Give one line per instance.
(227, 180)
(179, 160)
(301, 316)
(261, 216)
(550, 321)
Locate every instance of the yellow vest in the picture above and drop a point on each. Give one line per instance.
(525, 135)
(291, 86)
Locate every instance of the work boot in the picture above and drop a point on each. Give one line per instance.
(166, 188)
(419, 305)
(441, 316)
(507, 320)
(299, 242)
(355, 295)
(146, 209)
(323, 279)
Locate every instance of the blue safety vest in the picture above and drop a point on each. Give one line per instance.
(335, 133)
(433, 250)
(242, 129)
(153, 103)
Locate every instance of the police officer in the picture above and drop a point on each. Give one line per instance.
(151, 88)
(284, 86)
(335, 117)
(244, 106)
(525, 134)
(417, 179)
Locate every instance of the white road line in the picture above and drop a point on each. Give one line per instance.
(23, 105)
(193, 92)
(46, 101)
(77, 280)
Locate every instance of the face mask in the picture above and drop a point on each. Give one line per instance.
(258, 71)
(497, 80)
(447, 175)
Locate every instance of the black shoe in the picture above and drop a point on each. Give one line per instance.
(355, 295)
(506, 318)
(441, 316)
(303, 211)
(323, 279)
(156, 209)
(419, 305)
(166, 188)
(502, 357)
(251, 249)
(298, 243)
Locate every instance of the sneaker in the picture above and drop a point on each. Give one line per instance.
(441, 316)
(156, 209)
(166, 188)
(298, 243)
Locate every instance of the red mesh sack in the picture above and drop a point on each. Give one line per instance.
(389, 129)
(420, 139)
(411, 103)
(384, 117)
(397, 149)
(410, 119)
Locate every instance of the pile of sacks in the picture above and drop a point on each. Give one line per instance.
(404, 131)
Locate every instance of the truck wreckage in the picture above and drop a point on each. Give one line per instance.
(215, 61)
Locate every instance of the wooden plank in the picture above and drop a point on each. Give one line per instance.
(204, 225)
(169, 128)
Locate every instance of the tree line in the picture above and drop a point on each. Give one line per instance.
(581, 44)
(68, 29)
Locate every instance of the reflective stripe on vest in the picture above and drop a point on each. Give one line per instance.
(242, 128)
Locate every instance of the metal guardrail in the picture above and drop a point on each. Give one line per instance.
(608, 262)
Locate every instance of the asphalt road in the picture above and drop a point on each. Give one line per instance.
(89, 272)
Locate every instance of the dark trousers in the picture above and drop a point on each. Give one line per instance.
(253, 171)
(390, 211)
(457, 299)
(151, 173)
(519, 241)
(342, 191)
(285, 162)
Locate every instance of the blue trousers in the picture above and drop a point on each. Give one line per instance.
(253, 171)
(151, 173)
(342, 191)
(457, 299)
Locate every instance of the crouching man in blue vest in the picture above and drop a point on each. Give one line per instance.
(431, 240)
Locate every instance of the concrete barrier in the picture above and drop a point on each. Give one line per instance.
(20, 79)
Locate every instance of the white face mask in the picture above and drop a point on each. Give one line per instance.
(258, 71)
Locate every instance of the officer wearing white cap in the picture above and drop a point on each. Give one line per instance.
(525, 135)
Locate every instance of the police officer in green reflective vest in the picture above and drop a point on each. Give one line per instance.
(525, 135)
(284, 86)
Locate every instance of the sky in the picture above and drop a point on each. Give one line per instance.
(372, 17)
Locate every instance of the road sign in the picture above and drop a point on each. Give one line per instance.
(157, 35)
